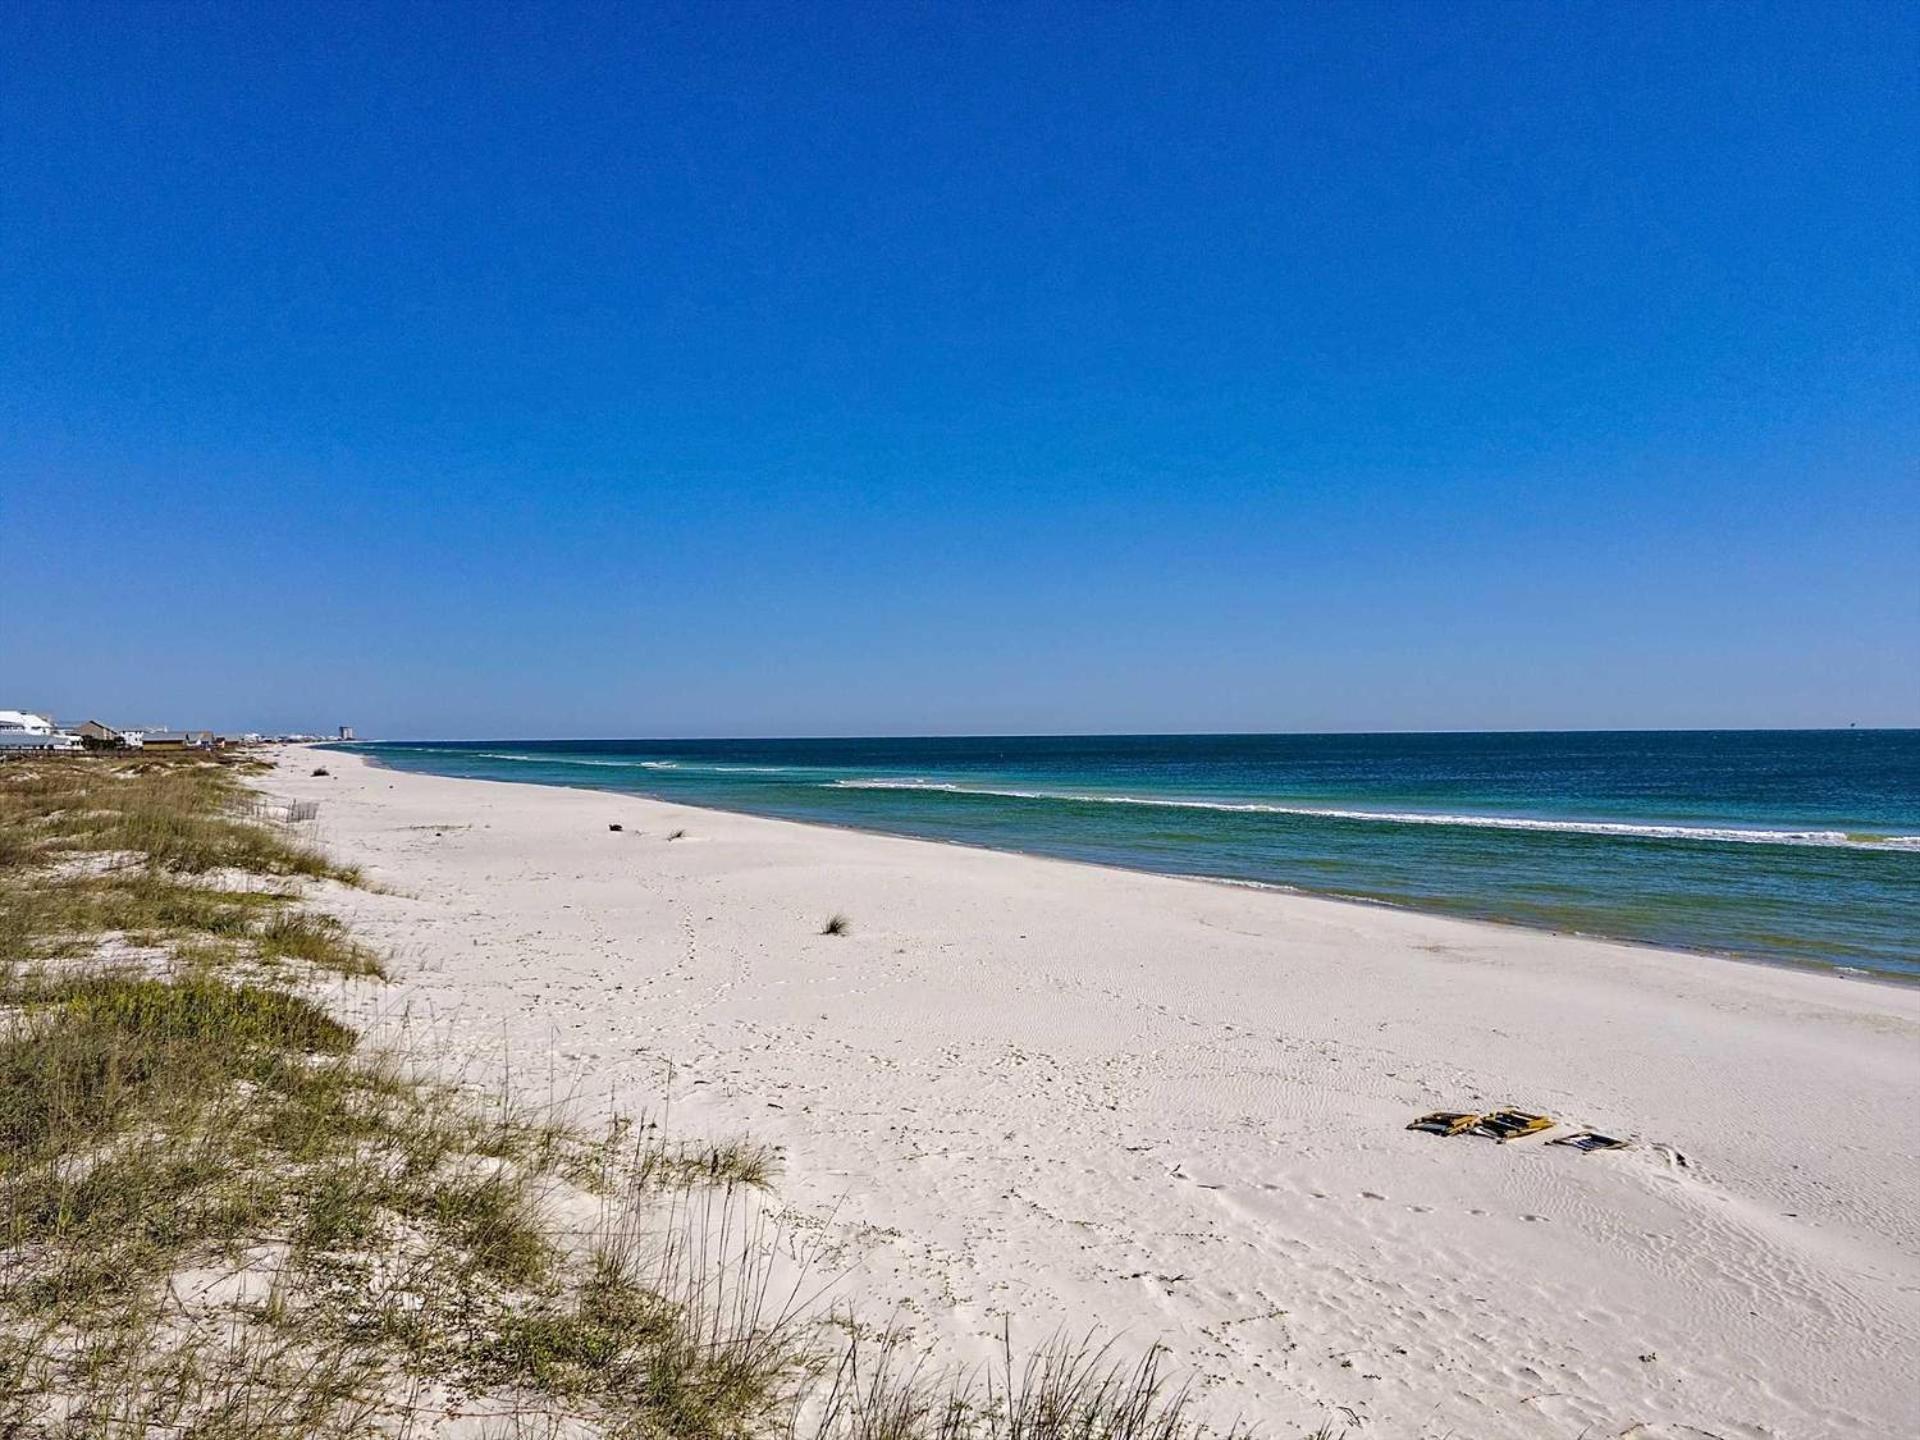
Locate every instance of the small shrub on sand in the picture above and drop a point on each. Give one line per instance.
(837, 924)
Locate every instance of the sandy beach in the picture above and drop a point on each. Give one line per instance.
(1174, 1110)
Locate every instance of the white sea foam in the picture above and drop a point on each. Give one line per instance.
(1832, 838)
(544, 759)
(715, 769)
(618, 764)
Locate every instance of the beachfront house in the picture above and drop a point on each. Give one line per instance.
(26, 730)
(166, 740)
(25, 722)
(97, 735)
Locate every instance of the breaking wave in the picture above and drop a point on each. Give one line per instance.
(1832, 838)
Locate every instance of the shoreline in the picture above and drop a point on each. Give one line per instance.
(1833, 968)
(1075, 1094)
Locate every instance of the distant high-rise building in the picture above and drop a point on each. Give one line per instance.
(346, 732)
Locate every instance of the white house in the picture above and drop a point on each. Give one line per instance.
(27, 721)
(24, 730)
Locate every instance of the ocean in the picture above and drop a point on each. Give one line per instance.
(1791, 846)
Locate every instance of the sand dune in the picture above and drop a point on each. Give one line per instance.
(1174, 1110)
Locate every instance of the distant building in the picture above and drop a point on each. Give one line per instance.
(97, 736)
(25, 730)
(180, 740)
(26, 722)
(346, 732)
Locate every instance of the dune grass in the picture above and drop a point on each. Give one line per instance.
(317, 940)
(161, 852)
(222, 1215)
(1066, 1389)
(181, 816)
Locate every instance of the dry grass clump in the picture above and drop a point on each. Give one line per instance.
(317, 940)
(655, 1162)
(837, 924)
(1064, 1390)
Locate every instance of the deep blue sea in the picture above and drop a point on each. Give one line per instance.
(1799, 846)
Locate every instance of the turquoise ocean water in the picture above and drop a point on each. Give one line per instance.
(1799, 846)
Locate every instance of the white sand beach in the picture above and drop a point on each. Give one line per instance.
(1174, 1110)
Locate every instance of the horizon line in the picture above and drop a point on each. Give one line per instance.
(1133, 734)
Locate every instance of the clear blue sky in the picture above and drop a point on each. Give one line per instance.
(732, 369)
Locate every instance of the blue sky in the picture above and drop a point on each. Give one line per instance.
(515, 371)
